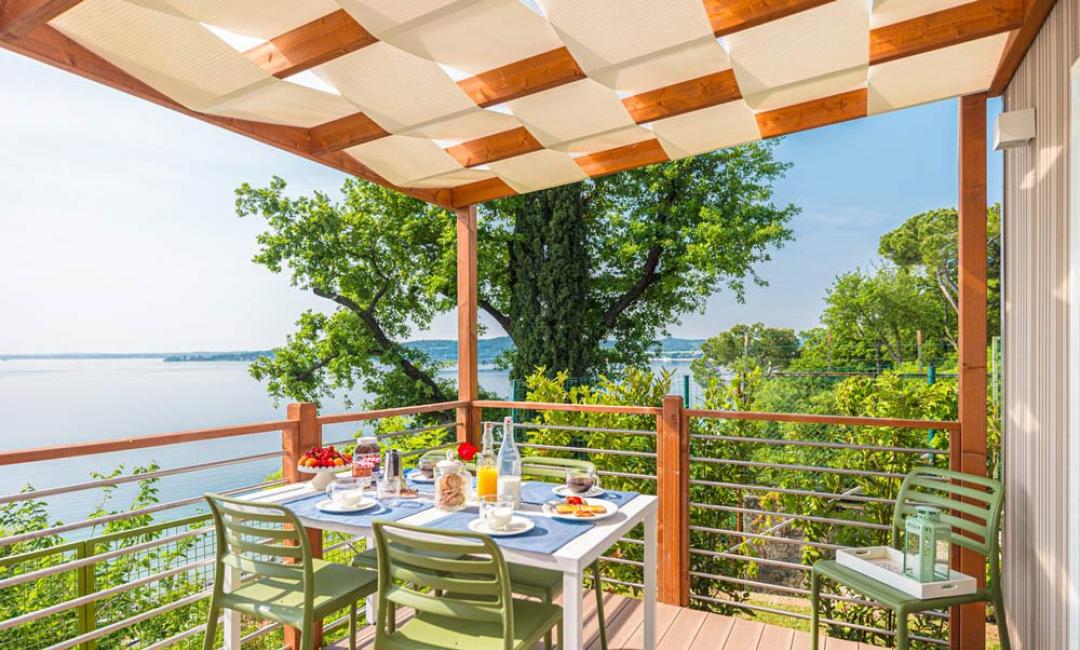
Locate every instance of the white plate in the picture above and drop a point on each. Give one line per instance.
(518, 525)
(416, 477)
(563, 491)
(329, 506)
(610, 508)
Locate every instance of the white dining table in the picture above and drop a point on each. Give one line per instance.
(571, 560)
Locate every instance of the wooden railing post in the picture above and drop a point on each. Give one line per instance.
(673, 489)
(307, 433)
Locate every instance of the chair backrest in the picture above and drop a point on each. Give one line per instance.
(547, 466)
(265, 539)
(468, 569)
(551, 467)
(970, 504)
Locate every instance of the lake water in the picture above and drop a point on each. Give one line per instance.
(61, 401)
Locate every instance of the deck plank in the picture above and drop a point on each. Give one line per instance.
(665, 616)
(714, 633)
(801, 641)
(683, 629)
(776, 638)
(744, 635)
(677, 629)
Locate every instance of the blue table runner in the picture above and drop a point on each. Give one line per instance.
(305, 507)
(548, 536)
(539, 493)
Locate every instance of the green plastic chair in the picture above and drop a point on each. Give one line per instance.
(547, 584)
(258, 539)
(474, 608)
(977, 531)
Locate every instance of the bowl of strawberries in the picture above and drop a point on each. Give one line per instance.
(324, 463)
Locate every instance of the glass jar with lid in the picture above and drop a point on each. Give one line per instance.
(451, 484)
(365, 459)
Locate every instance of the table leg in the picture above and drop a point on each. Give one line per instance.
(573, 623)
(231, 618)
(371, 602)
(650, 582)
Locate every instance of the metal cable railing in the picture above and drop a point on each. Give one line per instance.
(144, 583)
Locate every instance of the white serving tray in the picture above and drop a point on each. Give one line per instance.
(886, 564)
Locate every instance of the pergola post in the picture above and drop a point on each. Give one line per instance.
(967, 450)
(467, 298)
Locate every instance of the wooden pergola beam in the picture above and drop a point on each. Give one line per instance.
(967, 448)
(499, 146)
(952, 26)
(730, 16)
(623, 158)
(703, 92)
(1019, 43)
(324, 39)
(20, 17)
(812, 114)
(481, 191)
(346, 132)
(524, 77)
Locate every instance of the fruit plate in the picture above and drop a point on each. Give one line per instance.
(324, 476)
(551, 509)
(563, 491)
(328, 505)
(518, 525)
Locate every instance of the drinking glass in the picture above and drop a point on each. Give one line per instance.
(496, 513)
(580, 481)
(345, 491)
(388, 490)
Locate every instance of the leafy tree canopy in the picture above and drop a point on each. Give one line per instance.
(927, 244)
(769, 348)
(583, 278)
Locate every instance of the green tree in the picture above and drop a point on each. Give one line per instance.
(927, 243)
(880, 317)
(769, 348)
(583, 278)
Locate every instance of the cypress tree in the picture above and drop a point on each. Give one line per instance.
(549, 283)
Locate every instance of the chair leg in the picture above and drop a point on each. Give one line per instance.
(999, 616)
(815, 594)
(352, 626)
(210, 637)
(599, 604)
(902, 630)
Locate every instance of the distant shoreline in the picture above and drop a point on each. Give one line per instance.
(440, 350)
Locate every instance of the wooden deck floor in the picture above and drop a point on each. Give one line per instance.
(677, 629)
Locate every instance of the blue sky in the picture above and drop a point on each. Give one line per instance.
(119, 235)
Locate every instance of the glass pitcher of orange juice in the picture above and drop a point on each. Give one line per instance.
(487, 473)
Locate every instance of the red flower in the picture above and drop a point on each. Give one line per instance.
(466, 451)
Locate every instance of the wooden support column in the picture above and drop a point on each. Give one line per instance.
(306, 434)
(467, 298)
(967, 448)
(673, 488)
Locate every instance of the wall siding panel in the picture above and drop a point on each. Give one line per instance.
(1035, 331)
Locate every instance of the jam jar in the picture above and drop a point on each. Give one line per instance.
(365, 459)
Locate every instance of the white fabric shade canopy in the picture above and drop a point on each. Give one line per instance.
(483, 98)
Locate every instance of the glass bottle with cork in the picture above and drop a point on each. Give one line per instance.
(487, 471)
(509, 466)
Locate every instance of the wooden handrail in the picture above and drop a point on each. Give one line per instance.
(360, 416)
(52, 452)
(581, 408)
(839, 420)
